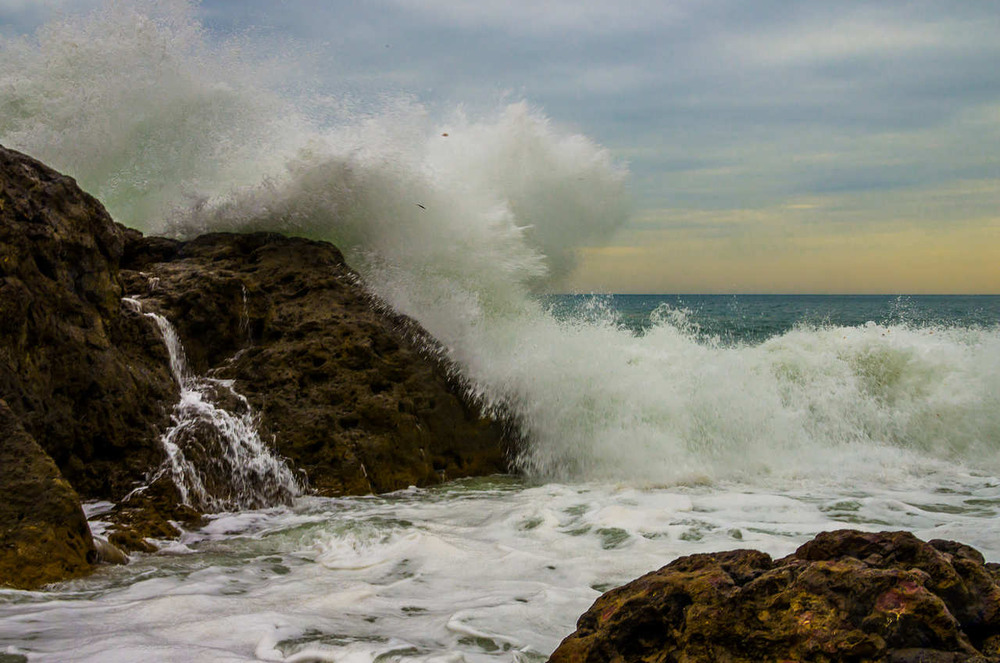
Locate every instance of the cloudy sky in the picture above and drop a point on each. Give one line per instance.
(806, 146)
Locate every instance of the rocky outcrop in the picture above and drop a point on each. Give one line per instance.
(354, 396)
(87, 378)
(43, 532)
(351, 394)
(844, 596)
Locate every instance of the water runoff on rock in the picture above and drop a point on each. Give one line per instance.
(214, 452)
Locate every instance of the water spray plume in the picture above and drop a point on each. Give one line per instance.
(458, 221)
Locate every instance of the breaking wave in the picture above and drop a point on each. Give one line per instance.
(459, 221)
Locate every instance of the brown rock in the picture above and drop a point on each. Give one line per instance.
(354, 395)
(351, 393)
(44, 535)
(844, 596)
(87, 378)
(150, 514)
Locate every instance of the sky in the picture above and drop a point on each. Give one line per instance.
(808, 146)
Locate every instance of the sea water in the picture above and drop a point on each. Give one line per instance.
(650, 426)
(499, 568)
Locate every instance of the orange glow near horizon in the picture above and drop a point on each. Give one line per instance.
(762, 252)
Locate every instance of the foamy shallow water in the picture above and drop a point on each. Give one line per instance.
(485, 570)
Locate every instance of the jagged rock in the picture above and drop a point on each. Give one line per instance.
(351, 393)
(106, 552)
(347, 390)
(150, 513)
(844, 596)
(87, 378)
(44, 535)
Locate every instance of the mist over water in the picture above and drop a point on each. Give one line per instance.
(459, 221)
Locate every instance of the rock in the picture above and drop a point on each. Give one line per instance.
(844, 596)
(152, 513)
(86, 377)
(44, 535)
(355, 396)
(351, 393)
(108, 553)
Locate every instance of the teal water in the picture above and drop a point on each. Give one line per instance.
(732, 319)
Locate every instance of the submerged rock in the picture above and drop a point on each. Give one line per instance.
(351, 393)
(106, 552)
(844, 596)
(44, 535)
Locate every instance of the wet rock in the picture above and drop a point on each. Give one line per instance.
(85, 376)
(148, 515)
(44, 535)
(107, 553)
(351, 393)
(844, 596)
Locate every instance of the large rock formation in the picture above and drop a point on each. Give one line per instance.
(351, 393)
(354, 396)
(87, 378)
(844, 596)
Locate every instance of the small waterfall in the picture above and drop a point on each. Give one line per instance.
(215, 455)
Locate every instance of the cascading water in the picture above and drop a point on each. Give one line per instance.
(215, 454)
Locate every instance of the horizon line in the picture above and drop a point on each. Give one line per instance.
(777, 294)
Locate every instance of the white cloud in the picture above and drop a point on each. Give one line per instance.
(847, 39)
(614, 79)
(533, 16)
(24, 6)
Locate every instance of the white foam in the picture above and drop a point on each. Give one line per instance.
(495, 572)
(215, 456)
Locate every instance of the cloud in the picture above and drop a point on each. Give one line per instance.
(24, 16)
(39, 7)
(843, 39)
(546, 18)
(800, 250)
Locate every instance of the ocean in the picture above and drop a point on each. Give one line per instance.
(652, 426)
(772, 418)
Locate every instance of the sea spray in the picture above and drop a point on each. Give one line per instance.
(135, 103)
(459, 221)
(214, 453)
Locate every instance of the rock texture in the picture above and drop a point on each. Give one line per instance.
(43, 533)
(352, 394)
(87, 378)
(355, 397)
(844, 596)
